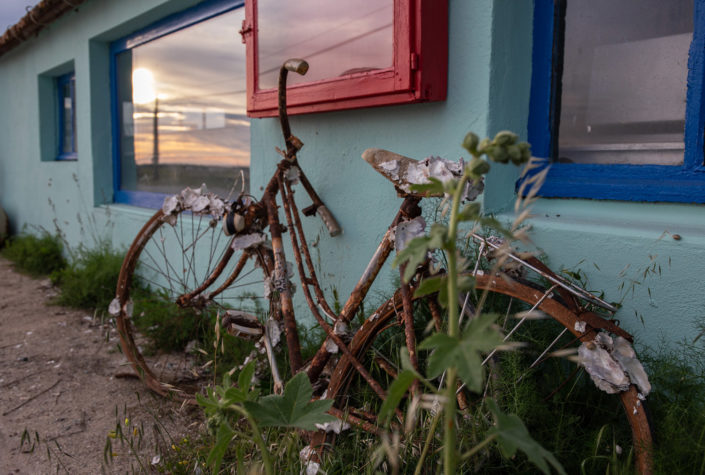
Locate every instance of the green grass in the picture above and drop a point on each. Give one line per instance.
(35, 255)
(91, 279)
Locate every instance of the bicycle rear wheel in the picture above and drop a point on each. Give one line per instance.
(377, 342)
(179, 276)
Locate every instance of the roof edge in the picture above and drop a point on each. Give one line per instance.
(42, 15)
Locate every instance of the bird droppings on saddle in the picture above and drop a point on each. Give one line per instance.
(613, 365)
(197, 200)
(404, 171)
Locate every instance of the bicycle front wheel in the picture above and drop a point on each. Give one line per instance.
(180, 276)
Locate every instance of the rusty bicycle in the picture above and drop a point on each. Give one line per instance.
(200, 252)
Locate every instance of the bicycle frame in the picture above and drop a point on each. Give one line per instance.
(267, 210)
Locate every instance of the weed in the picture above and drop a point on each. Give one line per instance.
(35, 255)
(677, 406)
(91, 278)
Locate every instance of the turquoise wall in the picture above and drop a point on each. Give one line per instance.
(488, 90)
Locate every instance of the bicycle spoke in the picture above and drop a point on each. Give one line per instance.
(539, 359)
(156, 268)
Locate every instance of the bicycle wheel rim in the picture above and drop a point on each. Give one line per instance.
(365, 336)
(177, 273)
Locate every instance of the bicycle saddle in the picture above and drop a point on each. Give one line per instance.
(404, 171)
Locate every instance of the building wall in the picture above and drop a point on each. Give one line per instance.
(488, 90)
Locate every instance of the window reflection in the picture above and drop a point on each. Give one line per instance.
(336, 38)
(183, 110)
(624, 81)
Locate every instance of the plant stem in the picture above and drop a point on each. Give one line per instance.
(427, 443)
(257, 435)
(477, 448)
(450, 458)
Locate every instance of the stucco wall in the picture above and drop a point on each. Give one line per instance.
(489, 75)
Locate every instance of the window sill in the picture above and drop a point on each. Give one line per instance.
(618, 219)
(68, 157)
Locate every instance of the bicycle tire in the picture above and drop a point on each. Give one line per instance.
(167, 255)
(366, 336)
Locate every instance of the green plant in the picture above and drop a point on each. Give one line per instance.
(456, 353)
(35, 255)
(293, 409)
(89, 281)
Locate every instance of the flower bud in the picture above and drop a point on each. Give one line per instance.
(478, 166)
(470, 142)
(505, 138)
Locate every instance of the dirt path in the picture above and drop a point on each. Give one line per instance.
(62, 379)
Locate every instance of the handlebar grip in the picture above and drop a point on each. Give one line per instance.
(327, 217)
(299, 66)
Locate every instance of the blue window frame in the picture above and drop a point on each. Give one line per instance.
(145, 130)
(66, 104)
(680, 182)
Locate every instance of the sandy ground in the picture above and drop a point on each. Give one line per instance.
(65, 386)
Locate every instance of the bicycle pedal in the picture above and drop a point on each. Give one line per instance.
(242, 325)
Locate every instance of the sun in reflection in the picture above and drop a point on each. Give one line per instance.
(143, 90)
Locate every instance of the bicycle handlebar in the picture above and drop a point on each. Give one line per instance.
(298, 66)
(293, 144)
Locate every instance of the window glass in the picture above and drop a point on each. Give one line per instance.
(182, 110)
(625, 68)
(67, 117)
(336, 38)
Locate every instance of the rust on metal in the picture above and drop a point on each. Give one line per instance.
(409, 332)
(311, 279)
(330, 332)
(185, 299)
(282, 285)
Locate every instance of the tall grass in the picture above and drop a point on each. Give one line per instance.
(35, 255)
(89, 281)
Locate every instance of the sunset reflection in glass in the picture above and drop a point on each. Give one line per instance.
(336, 38)
(183, 110)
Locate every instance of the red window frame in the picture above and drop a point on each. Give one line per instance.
(419, 72)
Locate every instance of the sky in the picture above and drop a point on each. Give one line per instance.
(12, 10)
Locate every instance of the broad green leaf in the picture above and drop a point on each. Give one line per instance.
(413, 255)
(464, 353)
(434, 186)
(244, 379)
(395, 394)
(430, 285)
(443, 295)
(294, 408)
(210, 404)
(511, 434)
(438, 236)
(234, 395)
(222, 440)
